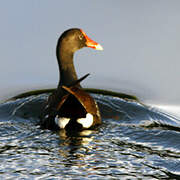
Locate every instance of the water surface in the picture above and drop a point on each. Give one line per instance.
(134, 141)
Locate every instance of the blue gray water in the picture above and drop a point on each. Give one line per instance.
(134, 142)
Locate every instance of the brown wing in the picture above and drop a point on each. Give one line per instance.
(86, 100)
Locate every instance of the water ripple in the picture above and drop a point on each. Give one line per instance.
(134, 141)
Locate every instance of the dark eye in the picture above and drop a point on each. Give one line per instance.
(81, 37)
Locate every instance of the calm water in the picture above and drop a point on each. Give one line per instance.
(134, 141)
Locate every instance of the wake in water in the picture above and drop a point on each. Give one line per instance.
(134, 138)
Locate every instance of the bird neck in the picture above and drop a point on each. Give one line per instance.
(66, 67)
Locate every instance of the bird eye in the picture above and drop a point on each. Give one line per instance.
(80, 37)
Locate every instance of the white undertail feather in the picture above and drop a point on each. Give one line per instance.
(87, 121)
(61, 121)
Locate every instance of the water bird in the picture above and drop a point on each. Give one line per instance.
(69, 106)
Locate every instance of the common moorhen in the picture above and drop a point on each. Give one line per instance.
(69, 106)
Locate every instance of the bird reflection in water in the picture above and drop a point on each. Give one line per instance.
(75, 144)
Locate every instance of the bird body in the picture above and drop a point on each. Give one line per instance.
(69, 106)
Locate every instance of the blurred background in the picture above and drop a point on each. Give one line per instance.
(141, 41)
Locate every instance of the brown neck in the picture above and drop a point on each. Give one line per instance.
(66, 66)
